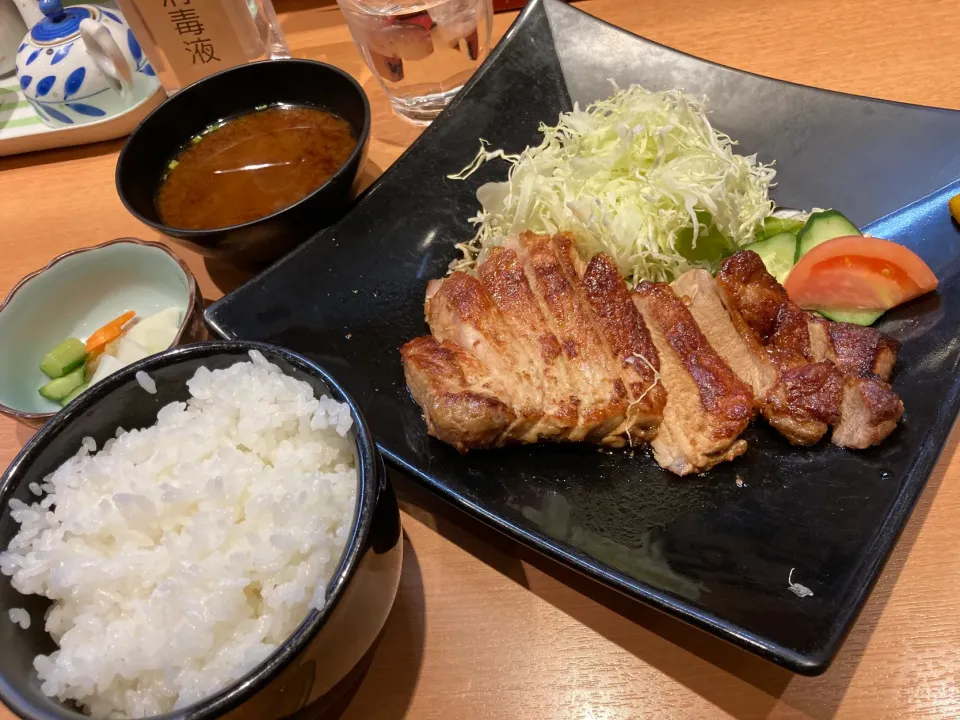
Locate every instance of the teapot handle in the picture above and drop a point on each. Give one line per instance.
(107, 55)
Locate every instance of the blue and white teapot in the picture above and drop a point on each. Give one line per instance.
(82, 64)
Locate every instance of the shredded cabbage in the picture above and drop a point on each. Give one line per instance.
(641, 176)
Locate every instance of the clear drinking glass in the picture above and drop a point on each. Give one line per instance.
(421, 51)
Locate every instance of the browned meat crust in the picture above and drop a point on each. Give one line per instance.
(708, 406)
(870, 409)
(459, 310)
(858, 351)
(603, 396)
(503, 277)
(460, 402)
(804, 400)
(625, 333)
(869, 413)
(753, 291)
(541, 348)
(862, 350)
(741, 351)
(830, 373)
(619, 318)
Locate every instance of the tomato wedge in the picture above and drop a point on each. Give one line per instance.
(858, 273)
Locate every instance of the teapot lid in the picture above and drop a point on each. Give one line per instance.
(58, 24)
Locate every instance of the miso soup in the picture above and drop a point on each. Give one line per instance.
(253, 165)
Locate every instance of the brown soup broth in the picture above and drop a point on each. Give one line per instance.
(253, 165)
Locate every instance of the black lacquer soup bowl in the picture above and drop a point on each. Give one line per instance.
(143, 162)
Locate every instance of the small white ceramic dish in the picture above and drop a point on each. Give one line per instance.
(74, 295)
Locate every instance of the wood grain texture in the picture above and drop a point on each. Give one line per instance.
(485, 629)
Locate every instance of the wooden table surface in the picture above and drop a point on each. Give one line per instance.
(484, 629)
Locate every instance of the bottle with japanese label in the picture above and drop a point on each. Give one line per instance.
(186, 40)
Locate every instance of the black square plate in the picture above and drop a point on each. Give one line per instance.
(715, 550)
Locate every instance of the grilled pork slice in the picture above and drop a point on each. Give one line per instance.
(708, 406)
(868, 414)
(806, 401)
(623, 334)
(460, 311)
(460, 400)
(629, 341)
(607, 389)
(602, 399)
(804, 398)
(754, 293)
(858, 351)
(503, 277)
(537, 347)
(830, 373)
(741, 351)
(870, 409)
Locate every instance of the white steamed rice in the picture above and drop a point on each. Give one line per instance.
(19, 616)
(182, 555)
(146, 382)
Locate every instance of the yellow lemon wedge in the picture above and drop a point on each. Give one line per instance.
(955, 207)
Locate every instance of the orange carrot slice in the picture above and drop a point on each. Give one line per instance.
(111, 331)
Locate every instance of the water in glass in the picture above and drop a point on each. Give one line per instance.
(421, 51)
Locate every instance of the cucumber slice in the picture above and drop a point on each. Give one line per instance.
(74, 393)
(820, 227)
(775, 225)
(60, 388)
(63, 358)
(777, 253)
(854, 317)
